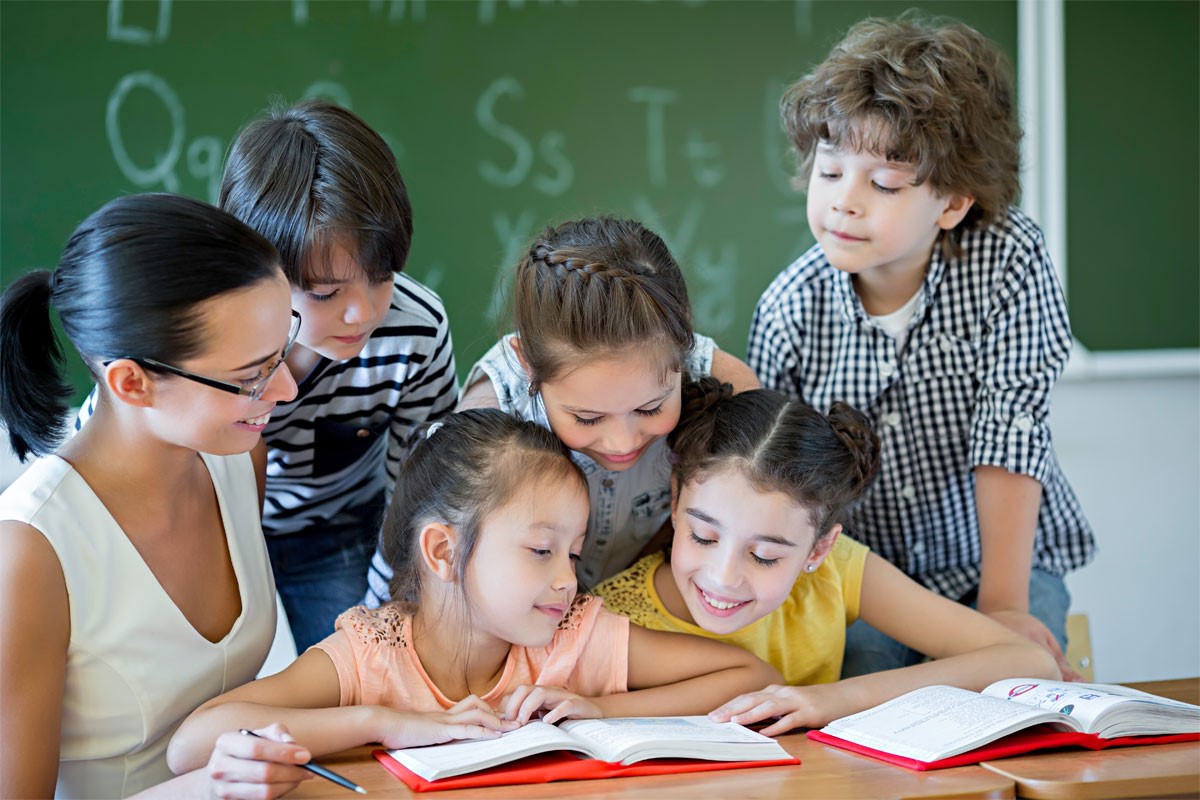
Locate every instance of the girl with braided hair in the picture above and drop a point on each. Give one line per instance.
(602, 345)
(761, 485)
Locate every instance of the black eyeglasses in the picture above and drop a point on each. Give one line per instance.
(252, 388)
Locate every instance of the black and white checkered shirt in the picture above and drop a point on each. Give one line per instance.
(972, 387)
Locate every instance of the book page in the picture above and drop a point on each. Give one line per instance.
(459, 758)
(616, 739)
(1100, 708)
(938, 722)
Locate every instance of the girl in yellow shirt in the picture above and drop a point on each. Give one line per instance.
(759, 486)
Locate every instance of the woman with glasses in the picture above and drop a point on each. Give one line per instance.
(134, 581)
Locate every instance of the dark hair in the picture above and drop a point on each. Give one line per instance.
(315, 175)
(823, 462)
(597, 286)
(473, 462)
(129, 283)
(937, 96)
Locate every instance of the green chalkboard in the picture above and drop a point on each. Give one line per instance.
(1133, 173)
(505, 116)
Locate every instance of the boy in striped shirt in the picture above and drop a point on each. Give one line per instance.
(373, 359)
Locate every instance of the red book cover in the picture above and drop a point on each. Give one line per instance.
(1036, 738)
(561, 766)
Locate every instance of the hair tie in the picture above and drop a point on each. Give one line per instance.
(432, 429)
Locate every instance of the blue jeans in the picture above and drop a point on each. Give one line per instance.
(321, 572)
(868, 650)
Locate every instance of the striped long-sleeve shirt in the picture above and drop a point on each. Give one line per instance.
(342, 440)
(971, 387)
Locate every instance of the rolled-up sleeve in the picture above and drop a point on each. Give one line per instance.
(1025, 346)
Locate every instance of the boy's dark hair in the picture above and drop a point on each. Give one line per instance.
(822, 462)
(595, 287)
(473, 463)
(315, 175)
(937, 96)
(129, 284)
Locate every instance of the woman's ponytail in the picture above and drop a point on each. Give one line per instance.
(33, 390)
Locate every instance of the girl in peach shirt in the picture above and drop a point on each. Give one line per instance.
(483, 533)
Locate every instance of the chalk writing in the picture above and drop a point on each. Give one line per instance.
(550, 147)
(162, 171)
(120, 31)
(514, 235)
(655, 98)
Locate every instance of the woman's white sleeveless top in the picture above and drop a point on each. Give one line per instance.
(135, 665)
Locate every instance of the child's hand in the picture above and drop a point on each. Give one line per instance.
(256, 767)
(796, 707)
(526, 700)
(469, 718)
(1035, 630)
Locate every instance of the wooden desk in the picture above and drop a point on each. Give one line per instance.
(831, 774)
(1153, 771)
(826, 773)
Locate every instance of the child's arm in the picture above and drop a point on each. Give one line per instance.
(669, 673)
(731, 369)
(1007, 505)
(970, 651)
(305, 697)
(1026, 343)
(480, 394)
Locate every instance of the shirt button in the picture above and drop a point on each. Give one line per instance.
(1024, 423)
(886, 369)
(908, 492)
(363, 433)
(918, 548)
(892, 420)
(946, 343)
(607, 483)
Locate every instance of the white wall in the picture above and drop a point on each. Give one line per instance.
(1131, 449)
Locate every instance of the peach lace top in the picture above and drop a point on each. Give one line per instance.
(372, 650)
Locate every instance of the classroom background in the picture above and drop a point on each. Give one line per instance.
(508, 115)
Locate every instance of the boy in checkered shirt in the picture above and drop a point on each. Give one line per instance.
(930, 302)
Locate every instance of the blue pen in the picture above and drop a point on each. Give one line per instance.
(317, 769)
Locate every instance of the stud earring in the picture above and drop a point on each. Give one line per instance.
(809, 567)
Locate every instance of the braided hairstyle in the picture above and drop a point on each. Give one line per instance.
(824, 463)
(597, 287)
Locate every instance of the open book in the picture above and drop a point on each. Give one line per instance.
(609, 747)
(941, 726)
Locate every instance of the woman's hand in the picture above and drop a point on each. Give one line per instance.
(470, 718)
(795, 707)
(263, 766)
(526, 700)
